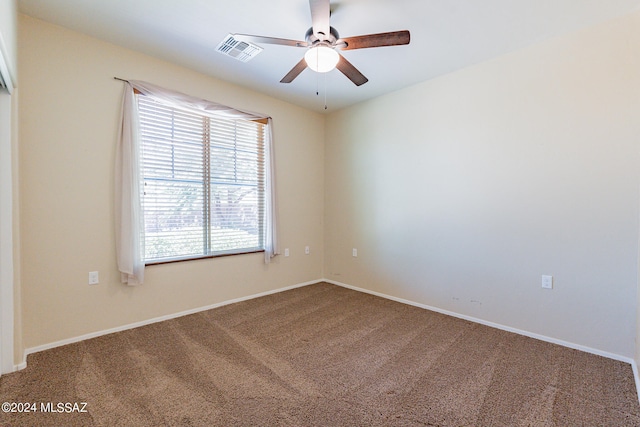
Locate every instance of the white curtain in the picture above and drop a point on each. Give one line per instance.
(129, 218)
(270, 222)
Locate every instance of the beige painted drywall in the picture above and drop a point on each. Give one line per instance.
(462, 191)
(69, 109)
(458, 193)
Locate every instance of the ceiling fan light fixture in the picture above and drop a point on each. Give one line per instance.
(321, 59)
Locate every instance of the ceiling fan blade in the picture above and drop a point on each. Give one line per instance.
(295, 71)
(320, 12)
(394, 38)
(351, 72)
(269, 40)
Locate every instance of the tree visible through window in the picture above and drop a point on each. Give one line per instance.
(203, 183)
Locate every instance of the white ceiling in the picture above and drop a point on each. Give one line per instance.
(446, 35)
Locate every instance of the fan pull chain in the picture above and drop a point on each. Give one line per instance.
(317, 74)
(325, 90)
(318, 82)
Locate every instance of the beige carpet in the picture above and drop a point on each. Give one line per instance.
(321, 356)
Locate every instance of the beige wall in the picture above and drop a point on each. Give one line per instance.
(458, 192)
(462, 191)
(69, 109)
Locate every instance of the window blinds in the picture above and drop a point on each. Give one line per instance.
(203, 183)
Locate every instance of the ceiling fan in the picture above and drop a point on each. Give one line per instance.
(323, 43)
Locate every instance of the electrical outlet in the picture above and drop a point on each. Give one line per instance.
(93, 278)
(286, 251)
(547, 282)
(354, 252)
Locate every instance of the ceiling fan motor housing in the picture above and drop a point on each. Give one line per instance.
(330, 38)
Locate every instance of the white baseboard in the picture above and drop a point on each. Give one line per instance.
(563, 343)
(634, 366)
(51, 345)
(597, 352)
(491, 324)
(631, 361)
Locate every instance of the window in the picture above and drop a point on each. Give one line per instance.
(203, 183)
(193, 179)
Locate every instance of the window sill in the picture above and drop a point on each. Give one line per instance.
(172, 261)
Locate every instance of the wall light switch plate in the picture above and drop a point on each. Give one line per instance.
(354, 252)
(547, 282)
(286, 251)
(306, 250)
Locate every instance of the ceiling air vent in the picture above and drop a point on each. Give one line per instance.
(238, 49)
